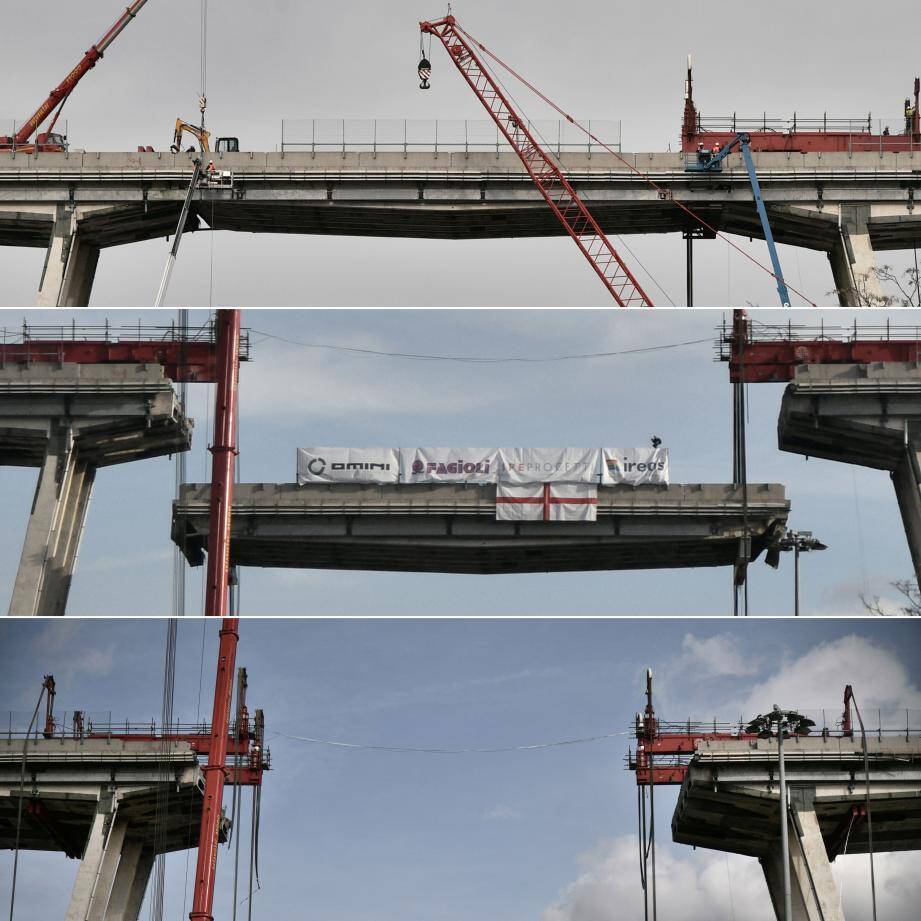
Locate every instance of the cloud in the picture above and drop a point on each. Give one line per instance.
(816, 679)
(700, 888)
(500, 813)
(709, 885)
(719, 656)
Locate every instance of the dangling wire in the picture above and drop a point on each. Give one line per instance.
(22, 783)
(866, 770)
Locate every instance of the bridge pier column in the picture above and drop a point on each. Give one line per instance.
(813, 890)
(906, 479)
(853, 264)
(130, 882)
(81, 897)
(55, 527)
(70, 265)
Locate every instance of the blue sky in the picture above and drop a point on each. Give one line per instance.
(352, 835)
(293, 396)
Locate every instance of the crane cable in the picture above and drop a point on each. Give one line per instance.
(646, 178)
(22, 783)
(866, 770)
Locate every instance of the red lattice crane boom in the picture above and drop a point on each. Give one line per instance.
(546, 173)
(48, 141)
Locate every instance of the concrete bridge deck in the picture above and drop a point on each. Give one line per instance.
(452, 528)
(847, 205)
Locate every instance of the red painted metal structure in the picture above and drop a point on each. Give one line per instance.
(217, 583)
(773, 355)
(48, 141)
(816, 135)
(675, 743)
(547, 175)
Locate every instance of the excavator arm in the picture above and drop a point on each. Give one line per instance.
(203, 137)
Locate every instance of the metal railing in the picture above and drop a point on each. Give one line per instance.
(378, 135)
(885, 722)
(9, 127)
(861, 137)
(759, 331)
(74, 332)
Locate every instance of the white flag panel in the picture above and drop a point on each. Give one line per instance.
(448, 465)
(349, 465)
(635, 466)
(546, 502)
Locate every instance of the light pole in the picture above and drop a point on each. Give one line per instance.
(765, 725)
(799, 542)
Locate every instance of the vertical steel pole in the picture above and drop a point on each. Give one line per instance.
(223, 453)
(796, 575)
(784, 837)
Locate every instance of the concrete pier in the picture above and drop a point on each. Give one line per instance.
(865, 414)
(74, 205)
(111, 804)
(729, 801)
(69, 420)
(452, 528)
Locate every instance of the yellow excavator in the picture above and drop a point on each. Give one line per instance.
(224, 145)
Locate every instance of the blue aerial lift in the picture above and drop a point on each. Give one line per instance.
(706, 162)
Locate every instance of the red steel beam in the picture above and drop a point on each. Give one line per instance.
(192, 362)
(223, 453)
(776, 362)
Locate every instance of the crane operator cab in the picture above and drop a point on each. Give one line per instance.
(227, 145)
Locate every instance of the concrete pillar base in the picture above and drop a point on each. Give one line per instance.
(81, 898)
(49, 551)
(814, 896)
(130, 882)
(853, 264)
(70, 265)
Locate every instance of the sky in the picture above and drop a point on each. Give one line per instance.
(292, 396)
(549, 834)
(288, 60)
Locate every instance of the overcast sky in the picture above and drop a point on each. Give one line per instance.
(292, 396)
(351, 835)
(291, 60)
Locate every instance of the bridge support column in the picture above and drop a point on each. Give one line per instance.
(81, 897)
(70, 265)
(814, 894)
(130, 882)
(55, 527)
(906, 479)
(853, 264)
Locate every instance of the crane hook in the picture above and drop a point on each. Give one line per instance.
(425, 71)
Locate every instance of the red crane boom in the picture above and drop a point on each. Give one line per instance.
(223, 452)
(547, 175)
(59, 94)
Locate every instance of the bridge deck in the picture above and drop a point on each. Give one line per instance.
(452, 528)
(125, 197)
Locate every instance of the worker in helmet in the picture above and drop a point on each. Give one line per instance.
(703, 155)
(211, 169)
(716, 149)
(909, 116)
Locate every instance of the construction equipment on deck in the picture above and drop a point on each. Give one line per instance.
(799, 135)
(224, 145)
(50, 140)
(547, 174)
(707, 161)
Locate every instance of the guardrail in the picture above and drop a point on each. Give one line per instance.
(376, 135)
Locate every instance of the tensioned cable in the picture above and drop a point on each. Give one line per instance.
(646, 178)
(451, 751)
(866, 768)
(22, 783)
(474, 359)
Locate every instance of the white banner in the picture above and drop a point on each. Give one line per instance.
(448, 465)
(635, 466)
(546, 502)
(549, 465)
(353, 465)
